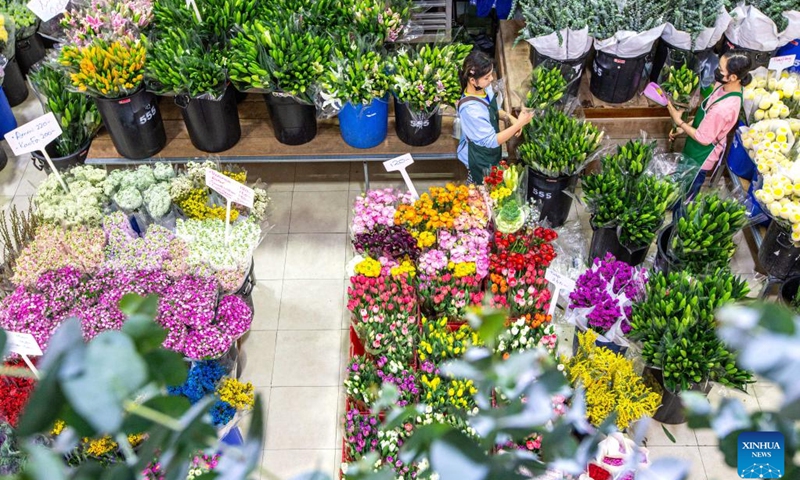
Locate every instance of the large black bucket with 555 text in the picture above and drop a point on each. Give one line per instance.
(62, 164)
(571, 70)
(294, 123)
(213, 125)
(789, 291)
(14, 83)
(606, 240)
(134, 124)
(778, 255)
(551, 194)
(616, 79)
(416, 130)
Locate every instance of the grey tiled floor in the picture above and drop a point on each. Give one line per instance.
(297, 349)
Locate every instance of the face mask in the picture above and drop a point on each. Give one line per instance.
(719, 77)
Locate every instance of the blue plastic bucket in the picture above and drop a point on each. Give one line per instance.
(7, 120)
(364, 126)
(753, 206)
(739, 161)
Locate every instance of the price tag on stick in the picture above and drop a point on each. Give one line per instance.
(779, 64)
(24, 344)
(233, 191)
(399, 164)
(36, 135)
(47, 9)
(560, 282)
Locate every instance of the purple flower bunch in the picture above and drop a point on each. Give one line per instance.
(197, 326)
(127, 251)
(403, 378)
(374, 208)
(608, 289)
(387, 241)
(361, 433)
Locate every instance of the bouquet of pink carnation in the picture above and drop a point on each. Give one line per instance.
(376, 208)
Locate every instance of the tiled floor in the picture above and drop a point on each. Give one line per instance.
(297, 349)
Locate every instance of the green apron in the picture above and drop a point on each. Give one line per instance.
(694, 151)
(481, 159)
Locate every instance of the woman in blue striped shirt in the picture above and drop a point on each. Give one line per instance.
(481, 139)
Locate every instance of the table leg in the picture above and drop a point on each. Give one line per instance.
(366, 175)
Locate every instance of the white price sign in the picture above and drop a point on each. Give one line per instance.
(561, 282)
(781, 63)
(34, 135)
(399, 164)
(23, 344)
(47, 9)
(230, 188)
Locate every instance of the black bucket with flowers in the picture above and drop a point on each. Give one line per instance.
(183, 64)
(28, 45)
(113, 73)
(425, 80)
(76, 113)
(286, 61)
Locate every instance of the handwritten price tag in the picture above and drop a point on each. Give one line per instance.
(34, 135)
(561, 281)
(47, 9)
(23, 344)
(781, 63)
(399, 164)
(230, 188)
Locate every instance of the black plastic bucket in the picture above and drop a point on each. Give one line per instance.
(294, 123)
(134, 124)
(14, 83)
(616, 79)
(758, 58)
(3, 159)
(668, 54)
(606, 240)
(550, 193)
(664, 261)
(213, 125)
(61, 163)
(777, 254)
(417, 133)
(671, 411)
(29, 50)
(571, 70)
(789, 290)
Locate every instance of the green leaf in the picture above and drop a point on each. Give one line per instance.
(456, 456)
(166, 367)
(44, 464)
(132, 304)
(421, 441)
(44, 406)
(146, 333)
(668, 434)
(174, 406)
(2, 342)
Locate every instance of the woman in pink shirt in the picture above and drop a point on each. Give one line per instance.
(716, 116)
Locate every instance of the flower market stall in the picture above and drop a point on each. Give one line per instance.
(151, 230)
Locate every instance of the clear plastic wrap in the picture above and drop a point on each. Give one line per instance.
(506, 196)
(105, 69)
(108, 20)
(7, 36)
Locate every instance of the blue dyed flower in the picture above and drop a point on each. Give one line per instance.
(222, 413)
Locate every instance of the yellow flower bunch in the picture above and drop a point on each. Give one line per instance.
(448, 394)
(436, 209)
(369, 267)
(100, 446)
(240, 177)
(106, 69)
(239, 395)
(611, 384)
(405, 267)
(500, 194)
(424, 239)
(439, 342)
(195, 206)
(462, 269)
(3, 31)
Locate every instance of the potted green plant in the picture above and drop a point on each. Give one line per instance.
(29, 47)
(676, 327)
(113, 73)
(624, 33)
(693, 28)
(556, 147)
(558, 32)
(425, 79)
(701, 241)
(628, 203)
(358, 80)
(76, 113)
(182, 64)
(286, 61)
